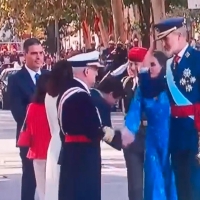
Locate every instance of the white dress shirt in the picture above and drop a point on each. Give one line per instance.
(181, 53)
(33, 73)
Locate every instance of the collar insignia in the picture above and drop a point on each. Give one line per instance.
(187, 54)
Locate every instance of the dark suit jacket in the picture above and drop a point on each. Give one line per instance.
(20, 89)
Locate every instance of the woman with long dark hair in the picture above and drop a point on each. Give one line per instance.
(151, 99)
(59, 76)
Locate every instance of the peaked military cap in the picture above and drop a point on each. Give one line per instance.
(85, 60)
(169, 25)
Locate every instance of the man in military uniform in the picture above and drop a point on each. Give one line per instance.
(130, 81)
(120, 55)
(134, 154)
(81, 132)
(183, 81)
(107, 53)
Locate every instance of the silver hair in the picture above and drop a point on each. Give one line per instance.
(182, 31)
(78, 69)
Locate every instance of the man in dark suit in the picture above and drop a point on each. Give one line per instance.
(21, 87)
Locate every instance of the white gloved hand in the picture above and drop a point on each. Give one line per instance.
(127, 137)
(109, 134)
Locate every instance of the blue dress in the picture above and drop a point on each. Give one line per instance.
(159, 178)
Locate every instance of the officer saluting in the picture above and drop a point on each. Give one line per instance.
(80, 157)
(128, 74)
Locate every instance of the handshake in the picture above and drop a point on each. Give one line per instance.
(118, 138)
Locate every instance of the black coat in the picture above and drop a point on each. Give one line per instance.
(80, 175)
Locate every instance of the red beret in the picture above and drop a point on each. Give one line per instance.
(137, 54)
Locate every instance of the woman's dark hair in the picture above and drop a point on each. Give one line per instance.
(112, 84)
(61, 72)
(40, 91)
(161, 57)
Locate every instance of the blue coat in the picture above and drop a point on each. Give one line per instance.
(183, 83)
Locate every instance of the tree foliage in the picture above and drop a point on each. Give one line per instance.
(38, 13)
(31, 14)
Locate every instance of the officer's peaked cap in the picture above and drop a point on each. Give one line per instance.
(169, 25)
(85, 59)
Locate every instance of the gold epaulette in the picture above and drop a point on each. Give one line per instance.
(126, 80)
(122, 80)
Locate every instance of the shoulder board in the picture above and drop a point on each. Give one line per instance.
(126, 81)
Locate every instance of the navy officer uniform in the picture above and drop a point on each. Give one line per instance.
(183, 84)
(80, 123)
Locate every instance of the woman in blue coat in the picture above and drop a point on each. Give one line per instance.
(153, 101)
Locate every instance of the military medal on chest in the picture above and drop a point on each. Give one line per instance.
(187, 80)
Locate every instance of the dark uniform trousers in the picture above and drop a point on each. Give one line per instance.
(80, 172)
(134, 157)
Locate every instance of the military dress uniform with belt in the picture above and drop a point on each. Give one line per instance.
(134, 154)
(183, 83)
(81, 133)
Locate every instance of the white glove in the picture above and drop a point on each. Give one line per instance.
(109, 134)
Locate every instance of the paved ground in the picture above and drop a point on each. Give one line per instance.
(114, 184)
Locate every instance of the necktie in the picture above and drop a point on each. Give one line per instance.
(176, 60)
(37, 76)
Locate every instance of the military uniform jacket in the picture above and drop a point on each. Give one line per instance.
(130, 85)
(185, 78)
(78, 114)
(183, 83)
